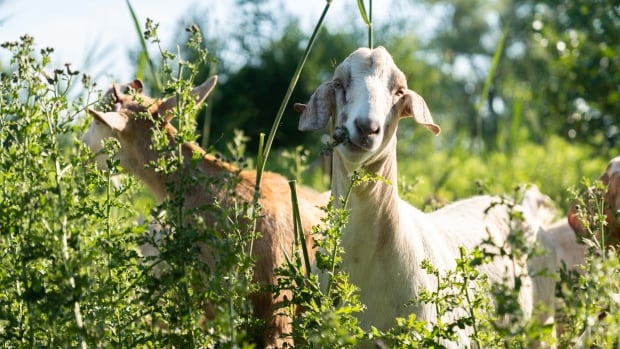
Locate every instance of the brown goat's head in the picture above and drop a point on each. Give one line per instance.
(124, 122)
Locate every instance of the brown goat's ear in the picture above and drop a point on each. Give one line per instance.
(316, 114)
(299, 107)
(413, 105)
(136, 85)
(574, 221)
(200, 93)
(113, 120)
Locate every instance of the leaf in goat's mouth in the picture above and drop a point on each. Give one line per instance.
(340, 136)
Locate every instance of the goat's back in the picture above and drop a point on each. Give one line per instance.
(467, 222)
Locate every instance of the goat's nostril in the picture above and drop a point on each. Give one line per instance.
(367, 127)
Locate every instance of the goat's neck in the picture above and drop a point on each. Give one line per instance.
(377, 199)
(208, 166)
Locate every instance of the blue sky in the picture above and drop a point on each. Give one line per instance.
(73, 27)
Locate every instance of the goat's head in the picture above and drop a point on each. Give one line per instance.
(366, 97)
(131, 117)
(611, 206)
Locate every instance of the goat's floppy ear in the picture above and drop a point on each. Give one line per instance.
(316, 113)
(413, 105)
(136, 85)
(113, 120)
(574, 221)
(200, 93)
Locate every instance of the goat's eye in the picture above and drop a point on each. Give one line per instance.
(337, 84)
(400, 92)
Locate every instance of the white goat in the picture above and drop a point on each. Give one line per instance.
(386, 238)
(276, 220)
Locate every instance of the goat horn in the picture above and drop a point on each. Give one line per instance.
(117, 92)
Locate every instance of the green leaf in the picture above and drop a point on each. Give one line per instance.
(362, 8)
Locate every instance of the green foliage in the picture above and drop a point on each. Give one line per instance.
(329, 300)
(65, 264)
(555, 166)
(72, 275)
(589, 296)
(555, 75)
(579, 39)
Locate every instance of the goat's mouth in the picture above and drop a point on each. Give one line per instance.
(361, 143)
(357, 148)
(354, 148)
(352, 141)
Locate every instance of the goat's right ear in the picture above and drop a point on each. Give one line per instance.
(200, 93)
(413, 105)
(316, 114)
(115, 121)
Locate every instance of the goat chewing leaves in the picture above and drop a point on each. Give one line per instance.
(341, 136)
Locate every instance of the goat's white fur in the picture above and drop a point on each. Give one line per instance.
(568, 250)
(276, 221)
(386, 238)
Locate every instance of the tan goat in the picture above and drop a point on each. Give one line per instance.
(276, 220)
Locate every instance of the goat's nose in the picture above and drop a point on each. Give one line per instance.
(367, 127)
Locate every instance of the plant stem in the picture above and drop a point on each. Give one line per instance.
(300, 236)
(332, 257)
(371, 38)
(487, 84)
(145, 52)
(287, 97)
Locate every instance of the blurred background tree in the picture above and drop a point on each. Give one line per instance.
(558, 72)
(581, 41)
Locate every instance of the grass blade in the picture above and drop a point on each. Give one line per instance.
(300, 238)
(274, 128)
(144, 54)
(362, 8)
(489, 80)
(367, 19)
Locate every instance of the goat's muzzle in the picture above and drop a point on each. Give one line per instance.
(366, 135)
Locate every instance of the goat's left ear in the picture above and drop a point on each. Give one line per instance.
(200, 93)
(113, 120)
(413, 105)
